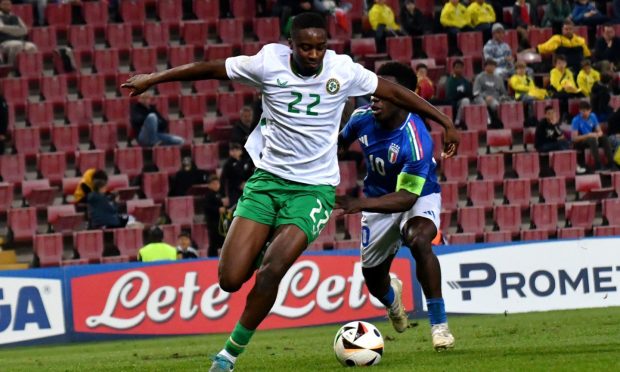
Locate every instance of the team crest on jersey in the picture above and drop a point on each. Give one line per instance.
(332, 86)
(393, 153)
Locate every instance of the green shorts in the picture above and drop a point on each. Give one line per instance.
(274, 201)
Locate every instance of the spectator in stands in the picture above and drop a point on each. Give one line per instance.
(244, 126)
(481, 16)
(557, 12)
(383, 23)
(102, 209)
(214, 208)
(549, 136)
(425, 88)
(458, 91)
(454, 18)
(149, 126)
(413, 21)
(4, 123)
(489, 89)
(587, 77)
(235, 172)
(157, 250)
(184, 246)
(562, 83)
(13, 33)
(585, 13)
(526, 91)
(287, 9)
(601, 96)
(499, 51)
(607, 47)
(572, 46)
(523, 16)
(84, 187)
(188, 176)
(587, 133)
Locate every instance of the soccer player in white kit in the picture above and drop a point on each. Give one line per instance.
(290, 197)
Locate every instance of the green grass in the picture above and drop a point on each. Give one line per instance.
(578, 340)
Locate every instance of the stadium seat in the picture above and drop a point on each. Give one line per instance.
(230, 31)
(348, 177)
(169, 11)
(615, 181)
(539, 107)
(229, 104)
(534, 235)
(526, 165)
(128, 241)
(89, 245)
(499, 138)
(184, 129)
(104, 136)
(64, 219)
(194, 106)
(435, 47)
(167, 159)
(267, 30)
(437, 138)
(491, 167)
(449, 195)
(544, 217)
(539, 35)
(90, 159)
(207, 10)
(476, 117)
(517, 192)
(155, 185)
(208, 88)
(181, 55)
(92, 87)
(95, 13)
(245, 10)
(24, 11)
(37, 193)
(251, 48)
(469, 144)
(564, 163)
(156, 35)
(52, 165)
(400, 48)
(49, 249)
(129, 161)
(69, 184)
(22, 223)
(337, 33)
(27, 140)
(218, 51)
(144, 60)
(497, 236)
(363, 46)
(144, 210)
(470, 43)
(116, 109)
(606, 230)
(529, 137)
(79, 112)
(512, 39)
(13, 168)
(589, 187)
(180, 210)
(328, 234)
(611, 211)
(44, 38)
(82, 38)
(40, 114)
(455, 169)
(6, 196)
(206, 156)
(580, 214)
(463, 238)
(508, 218)
(106, 61)
(471, 220)
(571, 233)
(353, 226)
(200, 235)
(30, 65)
(481, 193)
(54, 88)
(133, 12)
(512, 116)
(171, 232)
(119, 36)
(58, 15)
(445, 218)
(194, 33)
(553, 190)
(15, 91)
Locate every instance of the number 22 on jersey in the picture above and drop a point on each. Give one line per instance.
(298, 97)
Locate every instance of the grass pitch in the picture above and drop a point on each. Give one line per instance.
(579, 340)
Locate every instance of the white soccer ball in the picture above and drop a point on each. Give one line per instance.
(358, 344)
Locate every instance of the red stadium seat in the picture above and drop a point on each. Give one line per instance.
(218, 51)
(571, 233)
(230, 31)
(156, 35)
(251, 48)
(194, 106)
(24, 11)
(15, 91)
(82, 38)
(449, 195)
(564, 163)
(64, 218)
(539, 35)
(476, 117)
(38, 193)
(54, 88)
(30, 65)
(200, 236)
(435, 47)
(207, 10)
(44, 38)
(455, 169)
(95, 13)
(194, 33)
(171, 232)
(615, 181)
(129, 161)
(40, 114)
(267, 30)
(229, 104)
(445, 218)
(497, 236)
(328, 234)
(348, 177)
(13, 168)
(526, 165)
(580, 214)
(491, 167)
(79, 112)
(512, 116)
(58, 15)
(534, 235)
(245, 10)
(470, 43)
(471, 220)
(498, 138)
(464, 238)
(49, 249)
(180, 210)
(512, 39)
(116, 109)
(119, 36)
(144, 210)
(69, 184)
(353, 226)
(589, 187)
(89, 245)
(6, 196)
(606, 230)
(481, 193)
(362, 47)
(52, 165)
(181, 55)
(553, 190)
(170, 11)
(611, 211)
(400, 48)
(144, 60)
(437, 138)
(104, 136)
(206, 156)
(133, 11)
(27, 140)
(128, 241)
(90, 159)
(167, 158)
(106, 61)
(92, 87)
(22, 223)
(155, 185)
(182, 128)
(508, 218)
(529, 137)
(518, 192)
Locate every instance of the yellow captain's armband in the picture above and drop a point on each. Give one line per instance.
(411, 183)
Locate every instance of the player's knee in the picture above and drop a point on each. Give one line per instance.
(419, 243)
(229, 282)
(268, 277)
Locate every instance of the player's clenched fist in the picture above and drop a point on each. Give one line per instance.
(451, 143)
(349, 205)
(138, 84)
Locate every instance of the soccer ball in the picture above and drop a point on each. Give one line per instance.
(358, 344)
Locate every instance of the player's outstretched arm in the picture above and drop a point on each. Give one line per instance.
(138, 84)
(410, 101)
(395, 202)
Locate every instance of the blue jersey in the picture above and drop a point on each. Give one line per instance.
(396, 159)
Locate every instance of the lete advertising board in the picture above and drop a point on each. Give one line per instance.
(564, 274)
(30, 309)
(185, 298)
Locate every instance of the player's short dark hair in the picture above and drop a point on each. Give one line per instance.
(307, 20)
(235, 146)
(184, 234)
(458, 62)
(549, 108)
(490, 61)
(156, 235)
(403, 74)
(212, 178)
(100, 178)
(568, 22)
(585, 105)
(421, 65)
(560, 57)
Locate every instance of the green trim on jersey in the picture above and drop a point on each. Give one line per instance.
(411, 137)
(409, 182)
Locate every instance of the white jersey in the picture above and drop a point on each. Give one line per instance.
(298, 132)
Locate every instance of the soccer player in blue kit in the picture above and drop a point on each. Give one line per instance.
(402, 202)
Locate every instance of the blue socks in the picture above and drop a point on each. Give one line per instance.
(436, 311)
(388, 299)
